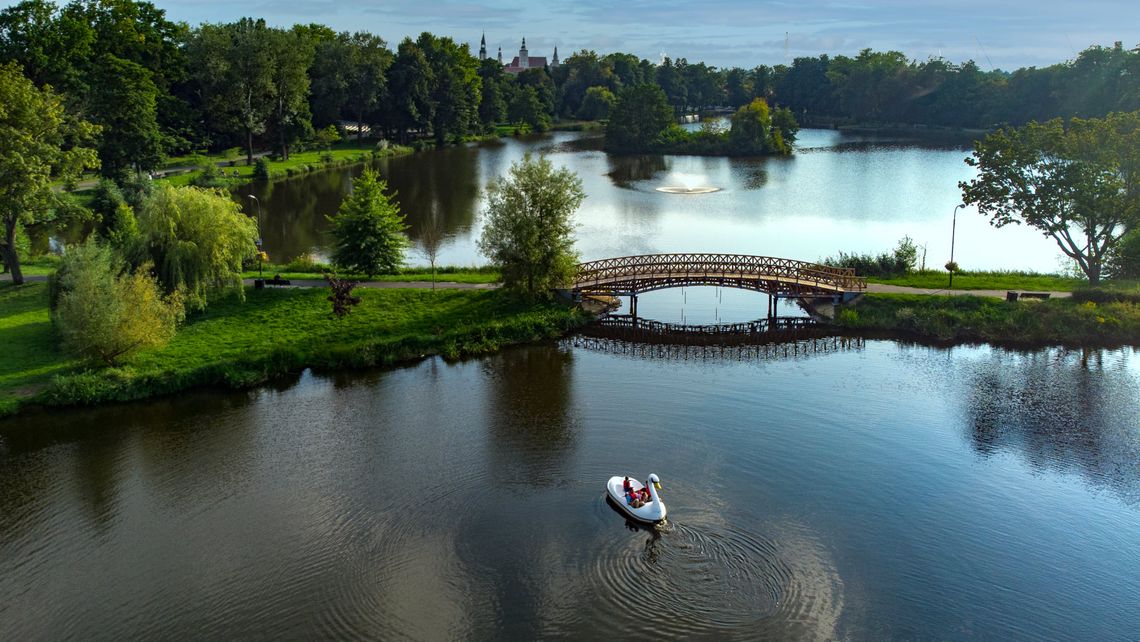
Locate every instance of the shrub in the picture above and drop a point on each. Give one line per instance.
(897, 263)
(261, 170)
(105, 313)
(210, 176)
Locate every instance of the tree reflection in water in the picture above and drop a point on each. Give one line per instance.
(1067, 410)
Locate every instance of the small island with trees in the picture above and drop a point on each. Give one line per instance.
(642, 122)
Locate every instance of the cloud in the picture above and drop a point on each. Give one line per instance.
(724, 32)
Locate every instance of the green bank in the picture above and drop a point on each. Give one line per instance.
(1092, 318)
(239, 344)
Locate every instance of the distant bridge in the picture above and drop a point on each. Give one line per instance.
(779, 278)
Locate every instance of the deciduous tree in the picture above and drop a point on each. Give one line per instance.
(1080, 186)
(37, 144)
(197, 239)
(123, 103)
(638, 120)
(529, 225)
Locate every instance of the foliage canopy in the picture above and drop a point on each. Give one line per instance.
(197, 239)
(1078, 185)
(529, 228)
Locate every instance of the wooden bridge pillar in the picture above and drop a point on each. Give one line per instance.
(633, 305)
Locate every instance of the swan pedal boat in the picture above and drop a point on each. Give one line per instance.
(651, 512)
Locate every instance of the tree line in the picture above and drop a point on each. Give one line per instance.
(158, 87)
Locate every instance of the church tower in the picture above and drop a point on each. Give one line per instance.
(483, 47)
(500, 55)
(524, 58)
(554, 60)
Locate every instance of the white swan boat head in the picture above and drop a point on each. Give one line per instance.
(650, 512)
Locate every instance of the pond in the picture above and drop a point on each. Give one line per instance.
(854, 489)
(839, 192)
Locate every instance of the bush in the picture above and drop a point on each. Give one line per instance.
(897, 263)
(104, 313)
(1099, 295)
(210, 176)
(261, 170)
(306, 263)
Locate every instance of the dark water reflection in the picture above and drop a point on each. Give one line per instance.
(878, 491)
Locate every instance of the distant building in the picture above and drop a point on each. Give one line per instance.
(521, 62)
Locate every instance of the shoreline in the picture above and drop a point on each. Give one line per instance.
(239, 345)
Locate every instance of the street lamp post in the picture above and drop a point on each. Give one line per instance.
(953, 229)
(258, 242)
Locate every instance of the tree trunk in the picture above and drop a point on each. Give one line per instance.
(11, 256)
(249, 146)
(359, 124)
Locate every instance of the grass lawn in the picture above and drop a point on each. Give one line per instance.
(967, 318)
(31, 354)
(341, 153)
(239, 344)
(938, 279)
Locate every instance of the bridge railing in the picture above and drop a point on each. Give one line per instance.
(742, 265)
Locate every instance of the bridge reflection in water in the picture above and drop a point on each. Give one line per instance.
(774, 337)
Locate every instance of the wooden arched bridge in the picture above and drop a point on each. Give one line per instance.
(779, 278)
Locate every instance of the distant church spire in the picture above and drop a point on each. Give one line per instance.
(500, 55)
(554, 59)
(483, 47)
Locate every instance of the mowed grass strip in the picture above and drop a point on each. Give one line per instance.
(939, 280)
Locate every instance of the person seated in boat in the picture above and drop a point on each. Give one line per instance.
(626, 486)
(644, 495)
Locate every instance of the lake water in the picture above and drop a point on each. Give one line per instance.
(826, 489)
(865, 490)
(839, 192)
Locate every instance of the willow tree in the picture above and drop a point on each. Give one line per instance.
(529, 227)
(34, 151)
(1078, 185)
(197, 239)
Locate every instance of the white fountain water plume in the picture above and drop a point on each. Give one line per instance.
(684, 183)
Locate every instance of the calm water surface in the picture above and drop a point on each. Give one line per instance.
(839, 192)
(877, 490)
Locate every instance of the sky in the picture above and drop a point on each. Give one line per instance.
(996, 34)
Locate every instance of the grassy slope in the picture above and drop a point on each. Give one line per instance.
(965, 318)
(273, 331)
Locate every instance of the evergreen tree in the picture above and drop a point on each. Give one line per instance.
(368, 229)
